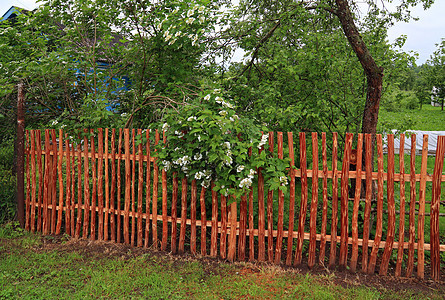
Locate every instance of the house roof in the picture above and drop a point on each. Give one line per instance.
(13, 12)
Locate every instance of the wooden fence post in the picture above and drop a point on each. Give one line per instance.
(21, 156)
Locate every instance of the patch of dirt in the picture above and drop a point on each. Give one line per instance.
(213, 266)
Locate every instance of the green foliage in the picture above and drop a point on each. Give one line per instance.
(206, 140)
(7, 182)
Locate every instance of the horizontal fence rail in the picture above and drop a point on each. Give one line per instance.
(106, 185)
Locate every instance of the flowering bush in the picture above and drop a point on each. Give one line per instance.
(208, 141)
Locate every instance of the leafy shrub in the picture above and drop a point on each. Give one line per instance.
(7, 182)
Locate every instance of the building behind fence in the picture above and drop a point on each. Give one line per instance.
(107, 188)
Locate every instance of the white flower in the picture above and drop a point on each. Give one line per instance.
(196, 7)
(192, 118)
(201, 9)
(227, 144)
(168, 37)
(218, 99)
(190, 20)
(190, 13)
(263, 141)
(178, 33)
(54, 123)
(251, 173)
(159, 26)
(172, 42)
(198, 175)
(207, 97)
(246, 182)
(166, 33)
(227, 104)
(205, 184)
(223, 113)
(166, 164)
(217, 91)
(197, 156)
(283, 180)
(63, 126)
(201, 19)
(199, 138)
(239, 168)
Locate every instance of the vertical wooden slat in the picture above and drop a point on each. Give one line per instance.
(68, 186)
(261, 216)
(223, 238)
(140, 190)
(33, 180)
(324, 216)
(435, 209)
(113, 185)
(164, 205)
(214, 233)
(391, 229)
(107, 188)
(54, 182)
(45, 184)
(86, 186)
(421, 215)
(358, 185)
(251, 227)
(203, 222)
(73, 195)
(94, 189)
(41, 179)
(412, 208)
(314, 202)
(60, 173)
(232, 236)
(28, 182)
(304, 197)
(344, 223)
(183, 215)
(118, 198)
(379, 228)
(174, 212)
(242, 229)
(398, 271)
(334, 220)
(280, 222)
(133, 182)
(100, 182)
(368, 198)
(270, 209)
(155, 196)
(290, 239)
(193, 217)
(147, 190)
(127, 199)
(79, 191)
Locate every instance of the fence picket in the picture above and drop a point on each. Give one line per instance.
(421, 216)
(303, 204)
(223, 237)
(368, 198)
(94, 189)
(53, 181)
(280, 223)
(140, 189)
(46, 190)
(261, 216)
(118, 183)
(412, 208)
(86, 187)
(398, 271)
(41, 180)
(164, 205)
(334, 220)
(324, 217)
(193, 217)
(174, 212)
(314, 202)
(147, 190)
(155, 197)
(290, 238)
(33, 181)
(28, 182)
(133, 192)
(232, 237)
(214, 232)
(107, 188)
(100, 178)
(358, 185)
(270, 238)
(127, 199)
(183, 215)
(68, 186)
(113, 186)
(242, 229)
(344, 201)
(391, 208)
(203, 222)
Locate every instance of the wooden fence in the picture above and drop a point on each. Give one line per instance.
(107, 187)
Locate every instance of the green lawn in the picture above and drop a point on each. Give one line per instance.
(428, 118)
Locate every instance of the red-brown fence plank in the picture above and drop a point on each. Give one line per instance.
(261, 216)
(100, 182)
(324, 216)
(398, 271)
(41, 179)
(86, 186)
(54, 181)
(140, 189)
(379, 228)
(155, 196)
(270, 209)
(435, 208)
(343, 256)
(314, 202)
(193, 217)
(223, 238)
(133, 193)
(164, 205)
(118, 185)
(113, 186)
(68, 186)
(107, 188)
(251, 226)
(203, 222)
(33, 181)
(368, 198)
(242, 229)
(73, 195)
(358, 185)
(79, 191)
(147, 189)
(290, 239)
(174, 212)
(60, 178)
(231, 252)
(127, 199)
(94, 188)
(391, 229)
(412, 208)
(214, 232)
(280, 223)
(28, 182)
(183, 215)
(304, 198)
(46, 190)
(334, 220)
(421, 215)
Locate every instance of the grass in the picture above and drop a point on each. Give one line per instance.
(31, 270)
(428, 118)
